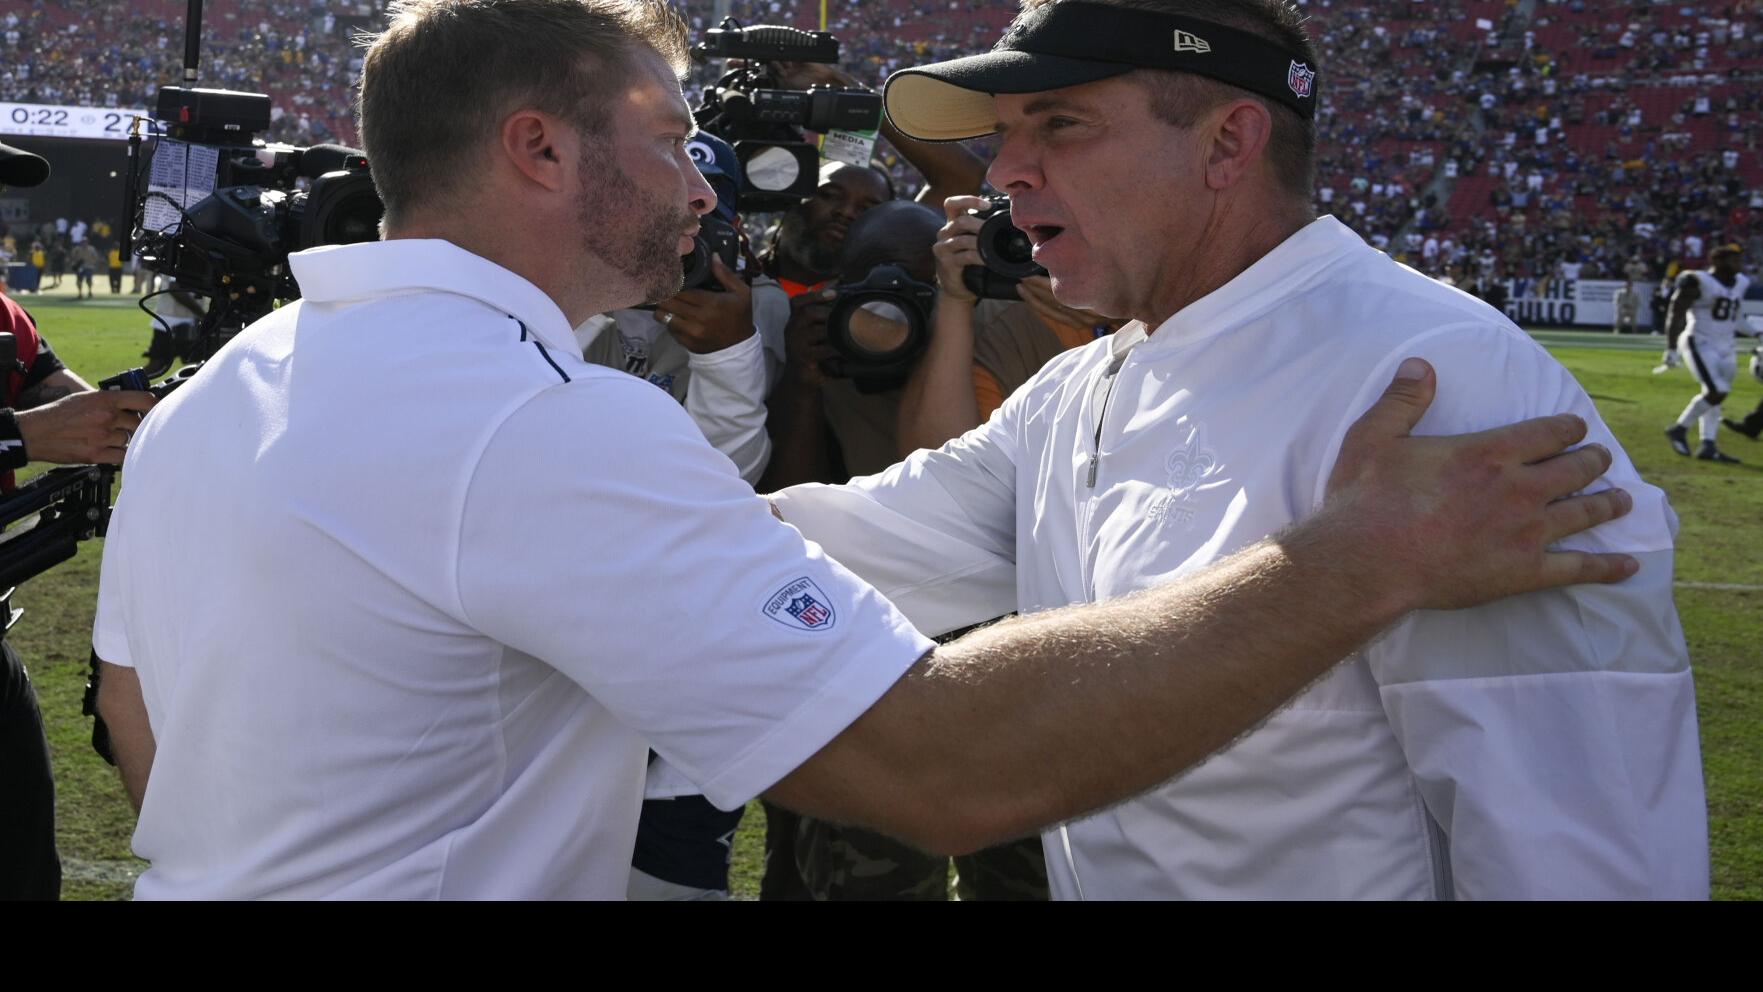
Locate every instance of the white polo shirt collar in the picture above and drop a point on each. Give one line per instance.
(1295, 263)
(373, 269)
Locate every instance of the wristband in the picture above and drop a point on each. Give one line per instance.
(12, 453)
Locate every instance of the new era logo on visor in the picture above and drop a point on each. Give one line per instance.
(1188, 42)
(801, 605)
(1299, 77)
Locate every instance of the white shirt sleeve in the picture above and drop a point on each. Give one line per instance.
(726, 399)
(110, 628)
(1552, 736)
(936, 533)
(771, 316)
(631, 558)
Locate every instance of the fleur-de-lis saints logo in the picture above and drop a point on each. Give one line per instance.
(1190, 463)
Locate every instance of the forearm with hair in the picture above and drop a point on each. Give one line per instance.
(1043, 718)
(62, 383)
(124, 713)
(949, 167)
(938, 402)
(47, 391)
(797, 425)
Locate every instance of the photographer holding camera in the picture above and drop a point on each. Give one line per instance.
(863, 329)
(983, 348)
(47, 414)
(810, 236)
(718, 346)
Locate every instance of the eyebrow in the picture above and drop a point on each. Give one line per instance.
(686, 121)
(1041, 105)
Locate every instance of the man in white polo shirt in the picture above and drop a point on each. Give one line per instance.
(1542, 746)
(438, 584)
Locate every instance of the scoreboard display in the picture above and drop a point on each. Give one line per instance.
(43, 121)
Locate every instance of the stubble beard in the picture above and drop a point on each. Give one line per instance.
(633, 231)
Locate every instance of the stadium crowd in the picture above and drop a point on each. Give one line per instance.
(1533, 136)
(97, 54)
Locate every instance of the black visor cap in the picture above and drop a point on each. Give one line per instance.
(1071, 43)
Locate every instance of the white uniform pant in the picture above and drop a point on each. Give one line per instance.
(1714, 367)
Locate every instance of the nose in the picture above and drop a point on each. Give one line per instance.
(699, 193)
(1015, 169)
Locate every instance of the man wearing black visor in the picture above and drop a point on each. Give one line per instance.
(1159, 155)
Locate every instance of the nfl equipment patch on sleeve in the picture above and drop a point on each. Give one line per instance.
(801, 605)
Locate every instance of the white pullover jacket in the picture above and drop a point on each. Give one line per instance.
(1542, 746)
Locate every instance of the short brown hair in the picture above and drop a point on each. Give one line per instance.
(1181, 98)
(440, 78)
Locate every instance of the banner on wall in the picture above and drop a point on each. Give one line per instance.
(1592, 303)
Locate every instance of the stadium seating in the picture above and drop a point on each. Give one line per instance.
(1544, 131)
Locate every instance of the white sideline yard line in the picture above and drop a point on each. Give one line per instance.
(1719, 586)
(1603, 340)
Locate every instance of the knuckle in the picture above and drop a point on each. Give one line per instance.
(1588, 512)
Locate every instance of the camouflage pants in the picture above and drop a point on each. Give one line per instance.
(818, 860)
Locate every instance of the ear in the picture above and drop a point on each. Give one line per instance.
(1239, 139)
(539, 147)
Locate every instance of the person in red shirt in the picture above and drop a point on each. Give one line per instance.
(47, 414)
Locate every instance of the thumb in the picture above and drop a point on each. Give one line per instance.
(726, 276)
(1403, 402)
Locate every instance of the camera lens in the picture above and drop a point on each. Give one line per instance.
(697, 264)
(1005, 249)
(341, 208)
(879, 328)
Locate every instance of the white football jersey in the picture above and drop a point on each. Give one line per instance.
(1714, 317)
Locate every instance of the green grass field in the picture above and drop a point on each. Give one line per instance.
(1721, 508)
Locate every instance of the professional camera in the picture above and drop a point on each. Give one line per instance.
(218, 210)
(1007, 252)
(880, 327)
(763, 122)
(716, 238)
(43, 520)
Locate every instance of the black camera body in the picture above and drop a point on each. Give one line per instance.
(1007, 252)
(880, 327)
(716, 238)
(763, 121)
(266, 201)
(765, 43)
(819, 108)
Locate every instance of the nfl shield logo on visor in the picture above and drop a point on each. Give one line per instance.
(1299, 77)
(801, 605)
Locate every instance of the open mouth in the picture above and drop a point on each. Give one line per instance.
(1040, 234)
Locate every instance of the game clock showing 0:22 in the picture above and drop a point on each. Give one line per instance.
(41, 121)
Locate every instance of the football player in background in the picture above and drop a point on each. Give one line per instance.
(1706, 308)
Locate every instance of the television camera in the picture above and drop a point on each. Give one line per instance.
(764, 122)
(217, 209)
